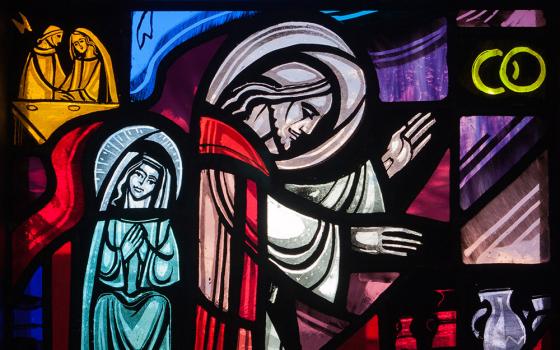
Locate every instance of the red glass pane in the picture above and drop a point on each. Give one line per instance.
(217, 137)
(366, 338)
(248, 302)
(65, 208)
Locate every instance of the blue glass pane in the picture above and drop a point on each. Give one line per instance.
(28, 310)
(35, 285)
(155, 33)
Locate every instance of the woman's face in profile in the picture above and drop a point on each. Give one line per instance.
(143, 181)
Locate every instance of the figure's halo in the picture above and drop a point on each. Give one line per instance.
(119, 141)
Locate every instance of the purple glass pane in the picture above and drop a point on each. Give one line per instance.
(490, 147)
(513, 227)
(415, 71)
(365, 288)
(501, 18)
(181, 83)
(316, 328)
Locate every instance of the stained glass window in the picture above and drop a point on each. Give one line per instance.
(247, 175)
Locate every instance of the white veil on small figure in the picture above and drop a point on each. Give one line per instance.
(112, 172)
(120, 196)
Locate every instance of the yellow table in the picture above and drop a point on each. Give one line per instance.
(42, 118)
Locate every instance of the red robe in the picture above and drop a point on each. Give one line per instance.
(231, 312)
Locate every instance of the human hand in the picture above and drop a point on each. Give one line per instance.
(407, 142)
(132, 241)
(385, 240)
(60, 95)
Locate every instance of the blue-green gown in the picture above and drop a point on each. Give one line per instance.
(131, 313)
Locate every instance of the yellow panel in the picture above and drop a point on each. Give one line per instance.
(41, 119)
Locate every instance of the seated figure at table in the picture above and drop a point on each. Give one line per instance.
(91, 78)
(42, 74)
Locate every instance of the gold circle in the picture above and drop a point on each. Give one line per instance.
(522, 88)
(479, 60)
